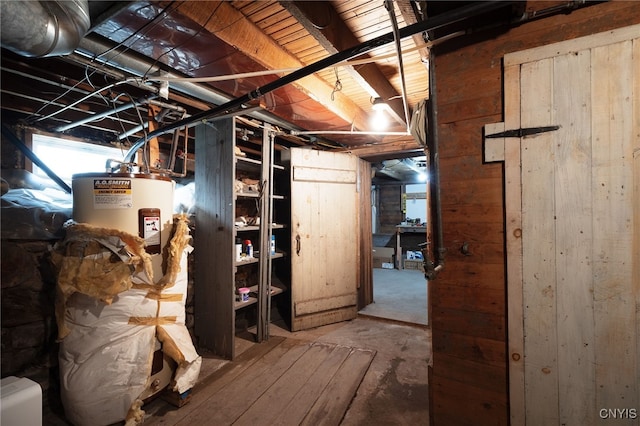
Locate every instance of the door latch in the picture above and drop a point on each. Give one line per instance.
(522, 132)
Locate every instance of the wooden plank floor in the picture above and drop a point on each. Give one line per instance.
(394, 390)
(283, 381)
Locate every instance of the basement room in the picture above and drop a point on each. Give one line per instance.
(346, 212)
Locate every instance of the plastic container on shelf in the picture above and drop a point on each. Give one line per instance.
(248, 248)
(244, 294)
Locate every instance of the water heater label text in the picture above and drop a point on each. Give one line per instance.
(112, 194)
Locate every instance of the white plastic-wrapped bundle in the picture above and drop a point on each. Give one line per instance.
(109, 334)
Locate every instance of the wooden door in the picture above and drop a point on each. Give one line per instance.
(325, 237)
(573, 231)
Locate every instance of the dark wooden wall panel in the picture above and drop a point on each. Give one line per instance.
(469, 376)
(485, 374)
(481, 406)
(389, 208)
(365, 274)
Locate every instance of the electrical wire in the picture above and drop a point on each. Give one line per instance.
(238, 76)
(288, 70)
(145, 158)
(118, 117)
(396, 36)
(337, 86)
(120, 120)
(31, 118)
(84, 98)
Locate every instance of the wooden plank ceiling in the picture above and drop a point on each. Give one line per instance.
(132, 46)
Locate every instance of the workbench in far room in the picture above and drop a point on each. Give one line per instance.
(411, 236)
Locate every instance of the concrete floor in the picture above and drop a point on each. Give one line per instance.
(399, 295)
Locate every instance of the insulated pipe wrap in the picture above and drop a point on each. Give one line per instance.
(43, 28)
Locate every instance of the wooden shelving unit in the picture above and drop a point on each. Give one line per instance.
(222, 200)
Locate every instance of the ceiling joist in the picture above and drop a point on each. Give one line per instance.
(322, 21)
(231, 26)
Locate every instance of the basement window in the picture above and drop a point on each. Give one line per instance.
(416, 203)
(66, 157)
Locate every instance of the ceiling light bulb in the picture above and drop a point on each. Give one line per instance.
(379, 120)
(378, 104)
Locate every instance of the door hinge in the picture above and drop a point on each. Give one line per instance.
(519, 133)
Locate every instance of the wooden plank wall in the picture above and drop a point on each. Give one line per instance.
(579, 316)
(389, 208)
(214, 244)
(365, 272)
(468, 299)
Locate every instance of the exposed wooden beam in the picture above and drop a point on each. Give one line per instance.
(335, 36)
(395, 147)
(231, 26)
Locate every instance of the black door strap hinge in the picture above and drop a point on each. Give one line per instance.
(519, 133)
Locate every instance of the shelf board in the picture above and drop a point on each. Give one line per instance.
(255, 259)
(245, 162)
(275, 290)
(251, 164)
(237, 305)
(246, 261)
(257, 195)
(257, 228)
(247, 228)
(247, 194)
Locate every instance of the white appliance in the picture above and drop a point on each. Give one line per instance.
(20, 402)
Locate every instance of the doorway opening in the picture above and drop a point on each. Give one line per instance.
(399, 215)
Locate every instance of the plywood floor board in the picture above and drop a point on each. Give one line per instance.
(298, 407)
(283, 381)
(211, 384)
(226, 405)
(288, 391)
(331, 405)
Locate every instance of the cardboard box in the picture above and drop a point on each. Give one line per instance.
(414, 264)
(382, 256)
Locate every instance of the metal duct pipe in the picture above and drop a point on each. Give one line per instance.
(234, 104)
(387, 169)
(433, 267)
(44, 28)
(92, 47)
(101, 115)
(412, 165)
(133, 130)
